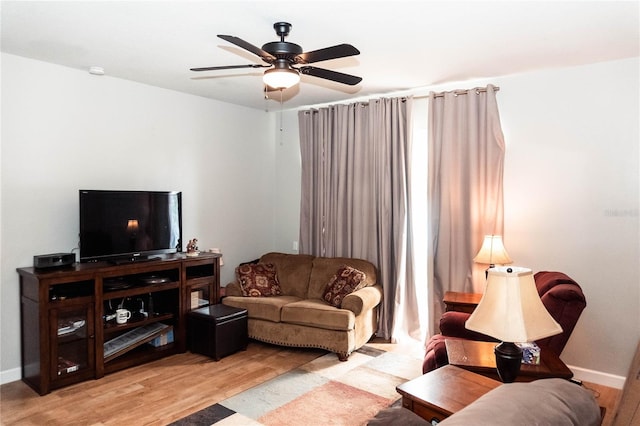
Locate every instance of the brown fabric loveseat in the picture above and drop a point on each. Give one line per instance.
(299, 317)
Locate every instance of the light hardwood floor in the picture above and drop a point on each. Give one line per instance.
(169, 389)
(156, 393)
(607, 397)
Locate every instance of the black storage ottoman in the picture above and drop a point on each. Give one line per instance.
(217, 330)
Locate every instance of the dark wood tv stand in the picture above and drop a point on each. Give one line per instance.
(67, 315)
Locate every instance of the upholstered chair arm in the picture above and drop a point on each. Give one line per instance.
(362, 300)
(452, 325)
(233, 289)
(563, 294)
(565, 303)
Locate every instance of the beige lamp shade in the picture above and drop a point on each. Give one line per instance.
(510, 309)
(492, 251)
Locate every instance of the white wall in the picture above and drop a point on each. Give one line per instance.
(65, 130)
(571, 195)
(288, 175)
(572, 192)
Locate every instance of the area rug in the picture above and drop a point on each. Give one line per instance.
(324, 391)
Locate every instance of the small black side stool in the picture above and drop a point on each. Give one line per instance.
(217, 330)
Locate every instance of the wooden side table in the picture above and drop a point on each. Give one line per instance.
(461, 302)
(479, 357)
(444, 391)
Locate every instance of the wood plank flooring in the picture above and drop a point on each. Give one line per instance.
(169, 389)
(156, 393)
(607, 397)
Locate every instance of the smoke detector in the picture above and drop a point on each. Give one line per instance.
(96, 70)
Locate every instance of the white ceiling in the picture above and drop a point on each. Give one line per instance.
(404, 44)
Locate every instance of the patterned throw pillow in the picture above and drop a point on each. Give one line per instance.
(344, 282)
(259, 279)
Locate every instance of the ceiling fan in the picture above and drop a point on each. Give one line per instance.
(287, 60)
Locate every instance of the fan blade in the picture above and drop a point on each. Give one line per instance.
(266, 56)
(333, 52)
(339, 77)
(229, 67)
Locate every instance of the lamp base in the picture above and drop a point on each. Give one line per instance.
(508, 360)
(486, 271)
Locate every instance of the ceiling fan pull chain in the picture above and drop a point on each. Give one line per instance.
(281, 109)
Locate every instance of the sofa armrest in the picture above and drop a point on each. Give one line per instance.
(362, 300)
(452, 325)
(233, 289)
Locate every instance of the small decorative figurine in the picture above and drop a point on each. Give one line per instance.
(192, 247)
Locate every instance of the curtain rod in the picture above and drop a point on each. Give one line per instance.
(437, 95)
(459, 92)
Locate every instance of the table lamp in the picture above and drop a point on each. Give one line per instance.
(511, 311)
(492, 252)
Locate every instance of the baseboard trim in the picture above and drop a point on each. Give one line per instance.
(598, 377)
(9, 376)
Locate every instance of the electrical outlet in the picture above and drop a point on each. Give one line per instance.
(295, 246)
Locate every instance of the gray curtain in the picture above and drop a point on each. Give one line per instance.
(466, 158)
(354, 188)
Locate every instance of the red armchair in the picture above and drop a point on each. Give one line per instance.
(562, 297)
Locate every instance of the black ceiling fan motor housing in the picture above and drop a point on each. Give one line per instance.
(282, 49)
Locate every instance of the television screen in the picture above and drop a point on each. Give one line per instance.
(129, 225)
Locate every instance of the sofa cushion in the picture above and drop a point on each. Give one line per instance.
(325, 267)
(542, 402)
(258, 280)
(345, 281)
(317, 313)
(266, 308)
(293, 272)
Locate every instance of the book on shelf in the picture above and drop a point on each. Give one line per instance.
(197, 299)
(132, 339)
(66, 366)
(163, 339)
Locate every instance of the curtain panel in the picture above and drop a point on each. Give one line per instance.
(466, 161)
(354, 188)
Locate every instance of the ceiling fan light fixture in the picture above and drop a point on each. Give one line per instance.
(281, 57)
(281, 78)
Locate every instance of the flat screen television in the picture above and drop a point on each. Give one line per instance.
(128, 226)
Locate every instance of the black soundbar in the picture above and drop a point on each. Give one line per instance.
(53, 260)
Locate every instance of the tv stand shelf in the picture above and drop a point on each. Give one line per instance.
(138, 290)
(111, 327)
(67, 315)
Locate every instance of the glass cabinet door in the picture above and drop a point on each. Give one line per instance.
(72, 340)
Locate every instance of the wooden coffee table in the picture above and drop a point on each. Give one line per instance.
(479, 357)
(444, 391)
